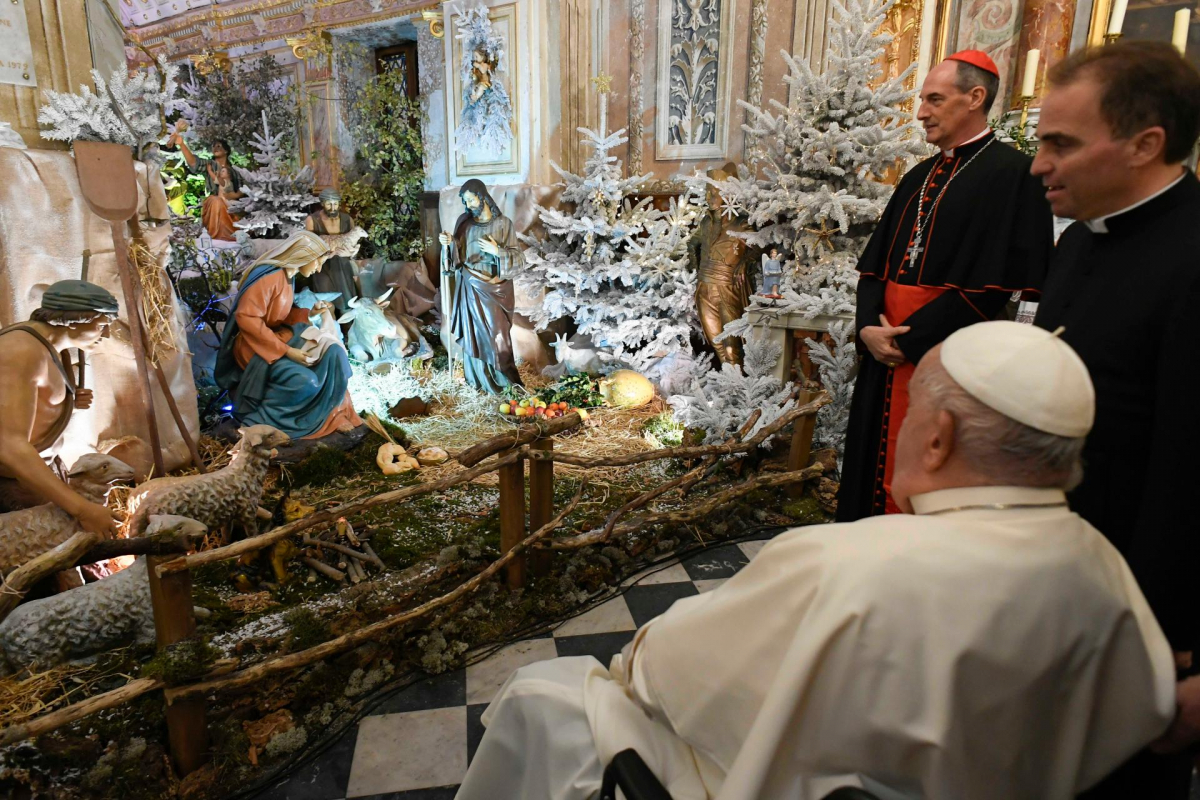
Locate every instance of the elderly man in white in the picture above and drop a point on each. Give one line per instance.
(988, 644)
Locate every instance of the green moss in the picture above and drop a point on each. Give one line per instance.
(182, 661)
(305, 629)
(230, 745)
(319, 468)
(805, 510)
(664, 430)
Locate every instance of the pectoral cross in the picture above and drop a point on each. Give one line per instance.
(915, 250)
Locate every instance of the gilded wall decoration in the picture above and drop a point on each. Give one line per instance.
(1046, 25)
(637, 66)
(903, 22)
(693, 78)
(758, 52)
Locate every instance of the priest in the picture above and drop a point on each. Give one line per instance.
(1117, 125)
(962, 232)
(987, 644)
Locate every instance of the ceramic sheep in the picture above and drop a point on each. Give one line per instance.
(112, 612)
(230, 494)
(26, 534)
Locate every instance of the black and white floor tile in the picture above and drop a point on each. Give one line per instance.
(417, 743)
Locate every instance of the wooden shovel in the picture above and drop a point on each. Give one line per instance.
(109, 185)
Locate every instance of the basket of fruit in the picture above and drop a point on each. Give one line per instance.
(530, 409)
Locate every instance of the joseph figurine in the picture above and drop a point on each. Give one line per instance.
(479, 258)
(38, 396)
(338, 273)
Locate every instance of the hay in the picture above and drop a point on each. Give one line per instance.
(41, 692)
(158, 306)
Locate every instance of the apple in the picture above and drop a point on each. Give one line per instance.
(505, 408)
(582, 414)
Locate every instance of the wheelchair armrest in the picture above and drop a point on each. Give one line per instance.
(629, 772)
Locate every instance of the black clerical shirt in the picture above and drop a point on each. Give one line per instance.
(1129, 301)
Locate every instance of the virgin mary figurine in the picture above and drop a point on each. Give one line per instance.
(271, 380)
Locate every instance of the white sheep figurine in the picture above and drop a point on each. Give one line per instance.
(112, 612)
(230, 494)
(29, 532)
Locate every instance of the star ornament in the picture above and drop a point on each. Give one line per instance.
(603, 83)
(824, 234)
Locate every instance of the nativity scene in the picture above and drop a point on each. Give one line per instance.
(693, 400)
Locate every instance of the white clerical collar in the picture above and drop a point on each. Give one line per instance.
(1100, 224)
(990, 498)
(950, 153)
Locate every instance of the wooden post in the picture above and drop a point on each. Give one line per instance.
(541, 502)
(802, 435)
(174, 620)
(512, 518)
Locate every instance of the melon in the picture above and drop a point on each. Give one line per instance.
(626, 389)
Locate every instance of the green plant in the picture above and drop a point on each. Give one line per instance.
(1016, 135)
(385, 198)
(229, 104)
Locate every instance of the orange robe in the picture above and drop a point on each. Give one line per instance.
(265, 315)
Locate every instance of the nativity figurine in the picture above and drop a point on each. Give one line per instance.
(338, 275)
(262, 363)
(39, 394)
(480, 258)
(721, 291)
(222, 183)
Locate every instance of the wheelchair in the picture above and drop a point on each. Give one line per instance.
(629, 773)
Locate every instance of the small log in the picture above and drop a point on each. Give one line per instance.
(330, 515)
(136, 546)
(541, 503)
(376, 560)
(801, 446)
(355, 571)
(370, 632)
(174, 621)
(692, 512)
(513, 439)
(77, 711)
(512, 518)
(63, 556)
(325, 569)
(340, 548)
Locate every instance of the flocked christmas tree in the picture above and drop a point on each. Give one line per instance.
(721, 402)
(277, 198)
(619, 269)
(127, 108)
(812, 188)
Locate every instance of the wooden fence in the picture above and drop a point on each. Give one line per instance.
(522, 554)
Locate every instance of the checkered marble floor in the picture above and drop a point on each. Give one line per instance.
(417, 743)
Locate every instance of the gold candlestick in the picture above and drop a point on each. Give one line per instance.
(1026, 100)
(1111, 38)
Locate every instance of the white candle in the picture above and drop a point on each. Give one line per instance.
(1117, 18)
(1031, 67)
(1179, 35)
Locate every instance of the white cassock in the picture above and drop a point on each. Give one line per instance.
(958, 653)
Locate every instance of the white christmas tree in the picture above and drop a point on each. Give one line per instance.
(813, 186)
(619, 269)
(835, 365)
(722, 401)
(127, 108)
(277, 198)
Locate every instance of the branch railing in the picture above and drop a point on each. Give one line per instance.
(522, 554)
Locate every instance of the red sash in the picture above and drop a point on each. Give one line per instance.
(899, 303)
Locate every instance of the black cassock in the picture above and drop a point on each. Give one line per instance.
(989, 233)
(1129, 303)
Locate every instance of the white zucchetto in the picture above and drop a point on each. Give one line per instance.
(1025, 373)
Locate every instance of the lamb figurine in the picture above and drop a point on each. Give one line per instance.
(29, 532)
(112, 612)
(227, 495)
